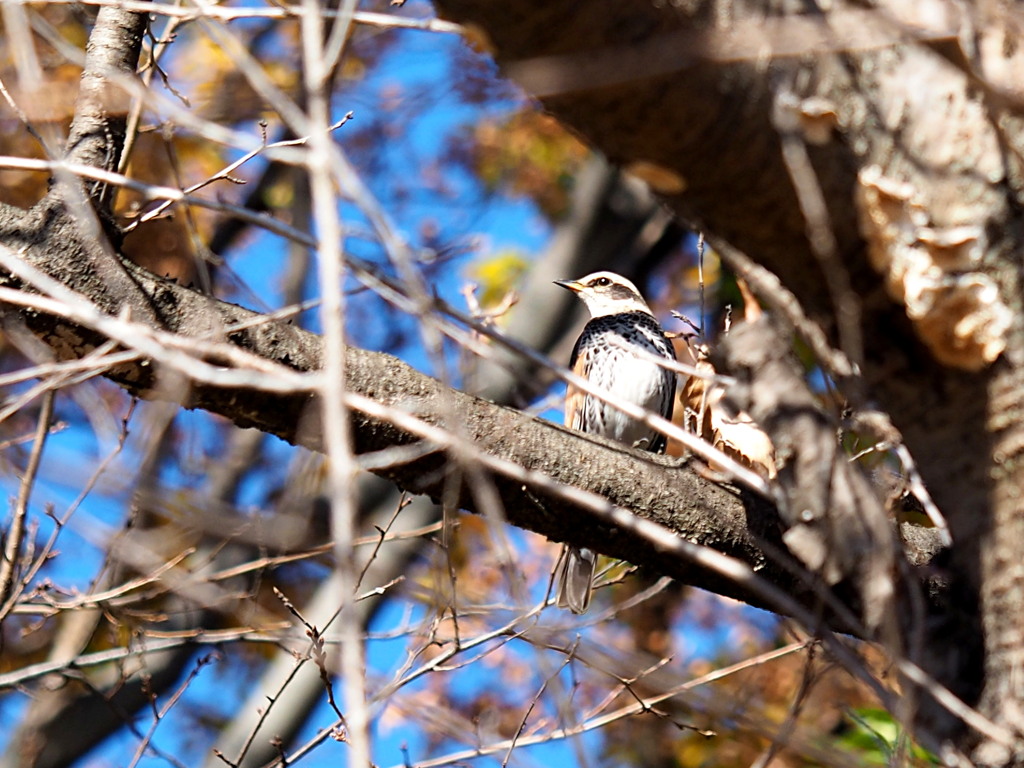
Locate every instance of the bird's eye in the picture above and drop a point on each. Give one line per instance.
(601, 282)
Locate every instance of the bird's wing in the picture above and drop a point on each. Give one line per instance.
(669, 403)
(660, 442)
(574, 397)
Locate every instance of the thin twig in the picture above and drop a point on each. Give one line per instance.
(700, 282)
(786, 729)
(280, 12)
(533, 703)
(821, 237)
(16, 530)
(159, 715)
(775, 295)
(225, 174)
(611, 717)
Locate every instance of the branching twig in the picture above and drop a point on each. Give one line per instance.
(16, 531)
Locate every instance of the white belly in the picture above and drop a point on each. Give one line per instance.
(634, 381)
(618, 353)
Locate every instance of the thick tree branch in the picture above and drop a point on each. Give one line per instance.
(675, 496)
(54, 239)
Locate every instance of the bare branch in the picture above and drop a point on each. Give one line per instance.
(101, 112)
(16, 530)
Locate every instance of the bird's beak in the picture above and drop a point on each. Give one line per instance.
(572, 285)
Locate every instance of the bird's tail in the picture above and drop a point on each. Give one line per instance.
(576, 579)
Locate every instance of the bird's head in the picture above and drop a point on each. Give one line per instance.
(606, 293)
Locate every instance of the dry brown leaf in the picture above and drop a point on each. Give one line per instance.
(699, 409)
(751, 306)
(739, 437)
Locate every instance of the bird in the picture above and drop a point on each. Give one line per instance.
(616, 352)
